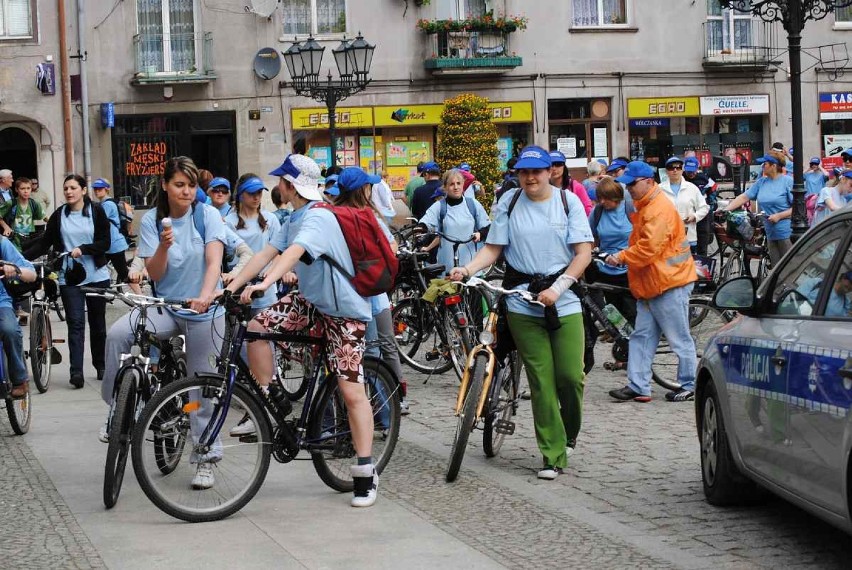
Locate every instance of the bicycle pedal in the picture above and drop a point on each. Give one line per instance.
(433, 355)
(251, 438)
(55, 356)
(504, 426)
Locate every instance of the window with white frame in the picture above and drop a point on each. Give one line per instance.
(461, 9)
(313, 17)
(843, 16)
(599, 13)
(167, 35)
(728, 30)
(16, 19)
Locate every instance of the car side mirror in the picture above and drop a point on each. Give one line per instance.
(737, 294)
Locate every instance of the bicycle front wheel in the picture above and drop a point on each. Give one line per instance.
(19, 414)
(184, 410)
(120, 431)
(41, 342)
(467, 418)
(501, 406)
(329, 434)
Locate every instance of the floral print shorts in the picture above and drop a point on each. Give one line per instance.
(295, 314)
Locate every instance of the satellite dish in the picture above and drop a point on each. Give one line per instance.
(267, 63)
(263, 8)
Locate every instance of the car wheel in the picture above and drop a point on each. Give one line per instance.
(723, 482)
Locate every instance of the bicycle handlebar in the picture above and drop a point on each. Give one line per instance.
(138, 301)
(477, 283)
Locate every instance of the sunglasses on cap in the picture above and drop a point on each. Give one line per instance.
(674, 167)
(220, 190)
(632, 184)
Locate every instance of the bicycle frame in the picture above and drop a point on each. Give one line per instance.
(491, 326)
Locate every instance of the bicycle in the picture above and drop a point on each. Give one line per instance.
(135, 383)
(479, 397)
(42, 353)
(322, 427)
(18, 409)
(744, 248)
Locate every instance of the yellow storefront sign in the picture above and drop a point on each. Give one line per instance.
(401, 115)
(649, 107)
(345, 118)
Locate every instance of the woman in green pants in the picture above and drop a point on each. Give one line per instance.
(545, 236)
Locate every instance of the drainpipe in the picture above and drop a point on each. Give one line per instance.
(67, 138)
(84, 88)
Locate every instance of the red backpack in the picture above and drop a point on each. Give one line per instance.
(375, 264)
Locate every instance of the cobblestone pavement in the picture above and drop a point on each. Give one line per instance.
(637, 467)
(37, 530)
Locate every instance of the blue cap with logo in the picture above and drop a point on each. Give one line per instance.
(768, 158)
(431, 167)
(351, 179)
(815, 160)
(101, 183)
(251, 185)
(464, 166)
(616, 164)
(533, 157)
(219, 181)
(636, 170)
(846, 173)
(556, 157)
(690, 164)
(674, 160)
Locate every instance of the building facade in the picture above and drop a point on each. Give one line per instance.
(593, 78)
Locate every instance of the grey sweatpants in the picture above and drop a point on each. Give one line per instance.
(202, 340)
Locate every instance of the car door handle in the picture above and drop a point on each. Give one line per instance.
(779, 359)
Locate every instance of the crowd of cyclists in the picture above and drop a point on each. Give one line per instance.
(205, 236)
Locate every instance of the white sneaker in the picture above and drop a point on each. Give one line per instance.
(366, 485)
(403, 408)
(103, 434)
(568, 450)
(244, 427)
(203, 477)
(549, 473)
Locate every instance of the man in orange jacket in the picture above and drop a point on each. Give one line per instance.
(661, 273)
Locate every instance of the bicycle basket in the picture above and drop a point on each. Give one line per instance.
(739, 227)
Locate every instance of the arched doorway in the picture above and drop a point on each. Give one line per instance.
(18, 152)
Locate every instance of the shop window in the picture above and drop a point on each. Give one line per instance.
(728, 30)
(597, 13)
(579, 128)
(16, 21)
(313, 17)
(461, 9)
(167, 35)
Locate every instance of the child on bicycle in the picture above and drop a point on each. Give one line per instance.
(183, 260)
(327, 304)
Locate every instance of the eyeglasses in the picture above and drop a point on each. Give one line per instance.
(220, 190)
(674, 167)
(632, 184)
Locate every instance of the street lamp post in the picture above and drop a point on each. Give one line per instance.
(793, 14)
(353, 59)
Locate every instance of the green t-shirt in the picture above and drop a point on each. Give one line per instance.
(413, 185)
(24, 217)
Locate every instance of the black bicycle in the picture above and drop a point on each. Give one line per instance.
(215, 403)
(135, 383)
(42, 353)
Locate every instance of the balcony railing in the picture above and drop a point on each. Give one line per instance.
(173, 58)
(471, 52)
(754, 44)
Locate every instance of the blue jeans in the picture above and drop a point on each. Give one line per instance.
(667, 314)
(76, 304)
(13, 343)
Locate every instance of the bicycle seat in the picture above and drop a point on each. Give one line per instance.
(434, 270)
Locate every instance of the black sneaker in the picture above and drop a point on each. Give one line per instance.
(100, 373)
(77, 380)
(626, 394)
(681, 395)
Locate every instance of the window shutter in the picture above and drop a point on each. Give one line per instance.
(17, 18)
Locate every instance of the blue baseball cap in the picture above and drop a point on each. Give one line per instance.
(674, 160)
(332, 191)
(464, 166)
(845, 173)
(837, 171)
(815, 160)
(101, 183)
(603, 162)
(439, 193)
(251, 185)
(616, 164)
(431, 167)
(352, 178)
(533, 157)
(636, 170)
(690, 164)
(847, 152)
(557, 157)
(331, 178)
(768, 158)
(219, 181)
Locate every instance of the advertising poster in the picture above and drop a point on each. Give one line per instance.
(398, 177)
(504, 151)
(322, 155)
(407, 153)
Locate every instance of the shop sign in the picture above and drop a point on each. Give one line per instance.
(146, 159)
(835, 105)
(317, 118)
(735, 105)
(833, 145)
(653, 107)
(649, 123)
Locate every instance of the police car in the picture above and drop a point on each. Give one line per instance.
(774, 387)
